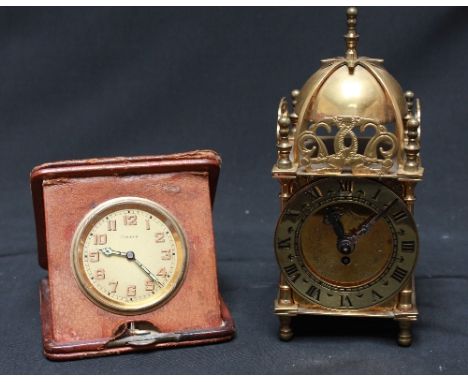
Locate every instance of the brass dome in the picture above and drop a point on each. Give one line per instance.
(343, 87)
(351, 116)
(362, 92)
(351, 87)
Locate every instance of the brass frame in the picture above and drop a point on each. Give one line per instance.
(296, 164)
(85, 226)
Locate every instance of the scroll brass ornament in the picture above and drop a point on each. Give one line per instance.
(378, 156)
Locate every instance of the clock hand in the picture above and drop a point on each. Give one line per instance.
(332, 217)
(130, 255)
(369, 222)
(344, 243)
(147, 271)
(110, 252)
(347, 243)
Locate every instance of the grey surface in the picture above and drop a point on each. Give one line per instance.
(79, 83)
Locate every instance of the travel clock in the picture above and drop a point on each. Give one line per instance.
(129, 249)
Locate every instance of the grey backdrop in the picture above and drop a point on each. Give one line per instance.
(79, 83)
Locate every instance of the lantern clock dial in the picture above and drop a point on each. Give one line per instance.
(129, 255)
(346, 243)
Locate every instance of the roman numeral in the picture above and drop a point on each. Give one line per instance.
(314, 293)
(360, 193)
(408, 246)
(345, 301)
(399, 216)
(346, 185)
(399, 274)
(291, 213)
(376, 195)
(286, 243)
(290, 269)
(376, 296)
(315, 192)
(292, 272)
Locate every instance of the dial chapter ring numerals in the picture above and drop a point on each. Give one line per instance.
(375, 196)
(146, 274)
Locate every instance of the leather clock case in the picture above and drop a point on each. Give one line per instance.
(64, 192)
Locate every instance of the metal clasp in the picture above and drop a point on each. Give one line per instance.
(140, 333)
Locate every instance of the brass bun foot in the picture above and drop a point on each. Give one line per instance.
(286, 333)
(405, 337)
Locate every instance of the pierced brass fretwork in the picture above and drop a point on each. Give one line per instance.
(378, 155)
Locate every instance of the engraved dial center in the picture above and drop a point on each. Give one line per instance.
(342, 261)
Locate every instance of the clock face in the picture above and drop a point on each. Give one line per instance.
(346, 243)
(129, 255)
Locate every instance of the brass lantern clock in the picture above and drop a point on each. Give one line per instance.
(348, 163)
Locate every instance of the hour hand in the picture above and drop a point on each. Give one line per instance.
(110, 252)
(332, 217)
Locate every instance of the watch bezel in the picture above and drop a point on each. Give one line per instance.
(87, 224)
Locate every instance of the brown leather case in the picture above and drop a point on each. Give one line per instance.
(63, 192)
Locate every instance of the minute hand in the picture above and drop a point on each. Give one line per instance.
(367, 225)
(147, 271)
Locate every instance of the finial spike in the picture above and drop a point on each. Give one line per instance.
(351, 37)
(294, 117)
(282, 135)
(409, 96)
(412, 146)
